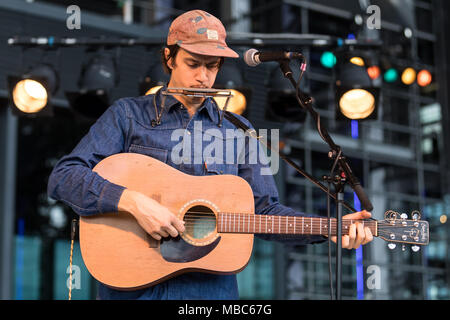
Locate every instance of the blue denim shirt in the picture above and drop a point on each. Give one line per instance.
(126, 127)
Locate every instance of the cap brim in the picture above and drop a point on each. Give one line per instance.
(209, 50)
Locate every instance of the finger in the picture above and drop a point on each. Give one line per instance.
(345, 241)
(178, 224)
(155, 236)
(369, 236)
(163, 233)
(360, 236)
(358, 215)
(172, 231)
(352, 235)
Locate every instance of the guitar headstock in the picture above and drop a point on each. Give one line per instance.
(396, 228)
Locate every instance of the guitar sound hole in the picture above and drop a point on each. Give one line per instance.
(199, 222)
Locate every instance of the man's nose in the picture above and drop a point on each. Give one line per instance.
(202, 75)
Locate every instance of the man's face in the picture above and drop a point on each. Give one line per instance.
(192, 70)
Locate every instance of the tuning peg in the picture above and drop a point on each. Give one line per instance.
(391, 246)
(404, 216)
(415, 215)
(415, 248)
(403, 247)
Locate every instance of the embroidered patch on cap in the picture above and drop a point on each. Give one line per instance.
(212, 34)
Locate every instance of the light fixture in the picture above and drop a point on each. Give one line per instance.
(374, 72)
(424, 78)
(230, 77)
(356, 96)
(282, 104)
(97, 79)
(153, 80)
(390, 75)
(408, 76)
(31, 92)
(328, 59)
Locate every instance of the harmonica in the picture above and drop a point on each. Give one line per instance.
(198, 92)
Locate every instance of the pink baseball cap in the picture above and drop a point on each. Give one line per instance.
(199, 32)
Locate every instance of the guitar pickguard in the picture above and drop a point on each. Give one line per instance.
(178, 250)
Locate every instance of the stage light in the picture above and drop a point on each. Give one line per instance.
(98, 77)
(31, 93)
(356, 96)
(230, 77)
(357, 60)
(391, 75)
(408, 76)
(357, 104)
(328, 59)
(424, 78)
(373, 72)
(282, 104)
(153, 80)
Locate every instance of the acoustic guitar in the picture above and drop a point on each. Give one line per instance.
(220, 224)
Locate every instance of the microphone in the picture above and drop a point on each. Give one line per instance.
(253, 57)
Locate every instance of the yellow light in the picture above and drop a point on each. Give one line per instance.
(357, 104)
(153, 90)
(443, 218)
(237, 103)
(29, 96)
(408, 76)
(358, 61)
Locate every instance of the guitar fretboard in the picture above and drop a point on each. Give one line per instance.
(259, 223)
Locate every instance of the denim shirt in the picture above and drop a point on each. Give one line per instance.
(126, 127)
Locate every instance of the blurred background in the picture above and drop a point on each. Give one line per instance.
(76, 61)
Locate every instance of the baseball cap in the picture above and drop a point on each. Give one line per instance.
(198, 31)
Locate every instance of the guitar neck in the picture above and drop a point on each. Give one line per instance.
(269, 224)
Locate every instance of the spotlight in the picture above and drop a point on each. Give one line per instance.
(374, 72)
(356, 96)
(31, 92)
(230, 77)
(282, 105)
(153, 80)
(390, 75)
(328, 59)
(424, 78)
(98, 77)
(408, 76)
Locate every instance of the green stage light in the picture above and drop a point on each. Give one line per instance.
(390, 75)
(328, 59)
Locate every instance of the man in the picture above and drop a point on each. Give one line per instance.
(195, 51)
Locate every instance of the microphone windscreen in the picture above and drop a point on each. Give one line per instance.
(249, 57)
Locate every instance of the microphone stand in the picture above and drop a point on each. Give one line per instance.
(344, 175)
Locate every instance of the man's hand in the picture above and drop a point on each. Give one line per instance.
(157, 220)
(357, 235)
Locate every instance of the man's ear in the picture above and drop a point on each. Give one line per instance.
(169, 61)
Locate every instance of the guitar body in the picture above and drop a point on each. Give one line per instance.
(120, 254)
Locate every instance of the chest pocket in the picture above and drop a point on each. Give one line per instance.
(157, 153)
(216, 166)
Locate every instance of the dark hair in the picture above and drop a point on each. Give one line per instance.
(173, 51)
